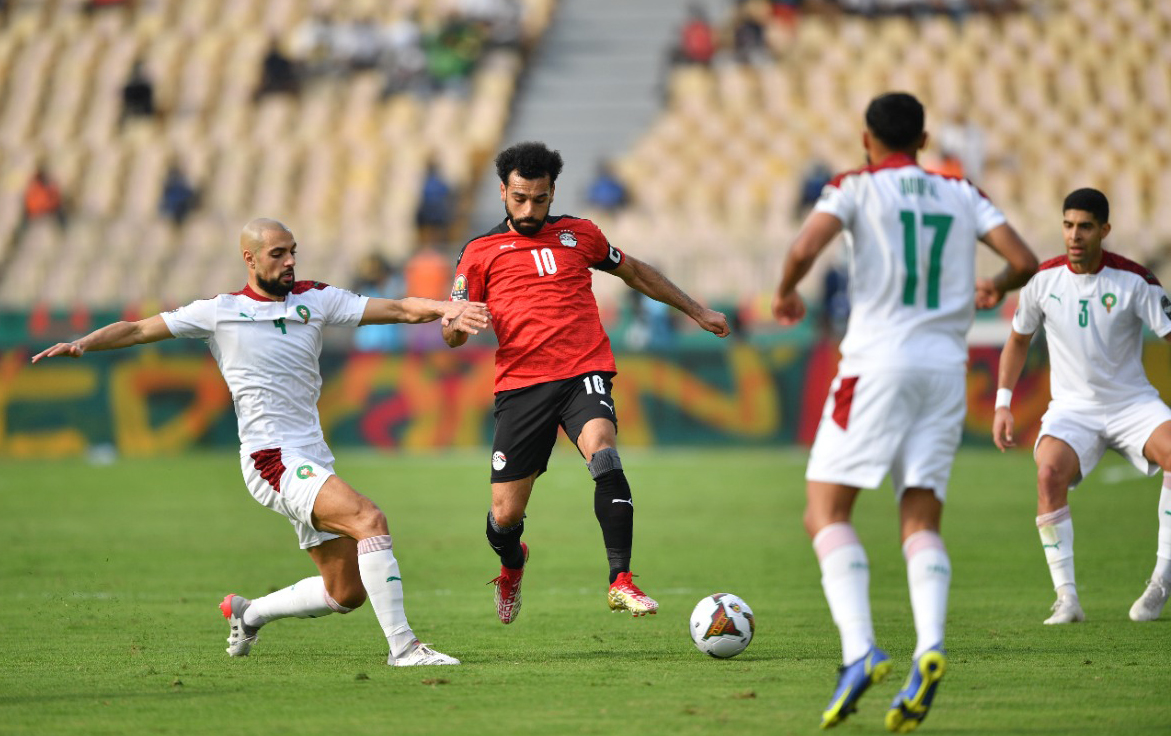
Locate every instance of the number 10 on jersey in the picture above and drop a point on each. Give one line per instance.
(546, 264)
(940, 225)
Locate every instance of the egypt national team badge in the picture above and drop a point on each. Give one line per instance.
(568, 239)
(459, 291)
(1108, 301)
(306, 471)
(303, 313)
(498, 460)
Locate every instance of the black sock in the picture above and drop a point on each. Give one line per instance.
(615, 512)
(505, 542)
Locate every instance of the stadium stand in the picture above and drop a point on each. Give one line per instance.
(1066, 93)
(341, 162)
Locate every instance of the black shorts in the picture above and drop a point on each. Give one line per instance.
(527, 420)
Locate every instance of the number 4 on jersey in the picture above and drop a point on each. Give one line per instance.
(940, 226)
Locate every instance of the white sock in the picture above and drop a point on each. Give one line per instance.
(384, 587)
(1163, 551)
(928, 577)
(845, 578)
(305, 599)
(1056, 530)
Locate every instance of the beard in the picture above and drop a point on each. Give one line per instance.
(526, 227)
(276, 287)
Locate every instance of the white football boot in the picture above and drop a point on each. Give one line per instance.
(1066, 610)
(420, 655)
(1150, 604)
(240, 637)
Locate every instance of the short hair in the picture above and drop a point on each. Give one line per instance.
(896, 118)
(1088, 200)
(531, 159)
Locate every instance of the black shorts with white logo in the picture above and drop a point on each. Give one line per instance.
(527, 420)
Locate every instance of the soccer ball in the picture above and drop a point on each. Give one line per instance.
(722, 625)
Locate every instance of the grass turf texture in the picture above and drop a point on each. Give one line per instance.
(112, 575)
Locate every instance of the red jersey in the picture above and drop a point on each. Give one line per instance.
(540, 292)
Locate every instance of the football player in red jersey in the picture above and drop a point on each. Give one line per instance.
(554, 365)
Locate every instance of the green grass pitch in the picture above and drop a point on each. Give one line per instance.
(111, 575)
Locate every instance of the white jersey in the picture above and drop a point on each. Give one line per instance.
(268, 353)
(912, 242)
(1094, 328)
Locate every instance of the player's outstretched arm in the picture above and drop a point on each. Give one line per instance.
(819, 230)
(1020, 266)
(469, 317)
(1012, 360)
(111, 337)
(649, 280)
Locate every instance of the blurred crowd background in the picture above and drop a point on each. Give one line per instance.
(138, 136)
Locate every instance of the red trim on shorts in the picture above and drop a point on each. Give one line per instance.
(843, 398)
(268, 462)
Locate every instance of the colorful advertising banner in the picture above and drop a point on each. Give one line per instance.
(169, 397)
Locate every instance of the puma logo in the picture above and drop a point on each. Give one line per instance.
(603, 403)
(510, 245)
(622, 500)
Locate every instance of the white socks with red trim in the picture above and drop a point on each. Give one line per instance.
(384, 587)
(845, 578)
(928, 577)
(304, 599)
(1163, 551)
(1056, 529)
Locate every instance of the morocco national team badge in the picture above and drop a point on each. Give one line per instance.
(459, 291)
(498, 460)
(305, 472)
(568, 239)
(1108, 301)
(303, 313)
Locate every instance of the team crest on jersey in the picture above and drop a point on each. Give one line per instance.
(498, 460)
(305, 472)
(1108, 301)
(568, 239)
(303, 313)
(459, 291)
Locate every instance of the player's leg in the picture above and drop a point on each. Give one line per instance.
(928, 579)
(588, 414)
(1058, 467)
(526, 430)
(1149, 605)
(340, 509)
(845, 579)
(288, 482)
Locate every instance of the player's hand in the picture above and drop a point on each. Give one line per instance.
(714, 322)
(469, 317)
(987, 294)
(72, 349)
(1002, 429)
(788, 309)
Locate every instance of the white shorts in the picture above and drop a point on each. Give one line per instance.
(1089, 432)
(287, 480)
(906, 423)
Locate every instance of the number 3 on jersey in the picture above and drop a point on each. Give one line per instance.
(940, 225)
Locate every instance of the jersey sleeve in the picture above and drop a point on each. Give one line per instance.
(195, 320)
(1154, 308)
(603, 256)
(469, 278)
(988, 216)
(838, 199)
(342, 306)
(1028, 315)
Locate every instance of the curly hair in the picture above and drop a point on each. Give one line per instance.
(531, 159)
(896, 118)
(1088, 200)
